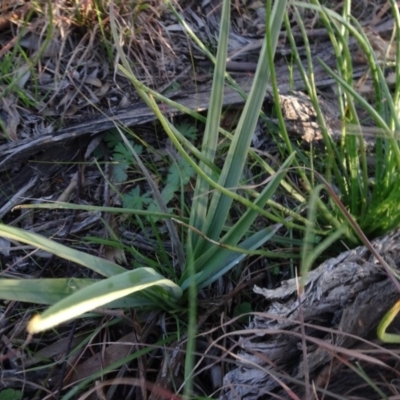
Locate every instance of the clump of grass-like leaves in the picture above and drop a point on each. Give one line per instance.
(365, 176)
(210, 249)
(207, 242)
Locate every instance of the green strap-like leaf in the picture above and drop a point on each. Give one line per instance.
(51, 291)
(97, 264)
(101, 293)
(384, 324)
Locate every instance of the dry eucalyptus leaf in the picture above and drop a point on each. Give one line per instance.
(92, 146)
(103, 90)
(94, 73)
(71, 110)
(45, 77)
(93, 81)
(5, 246)
(67, 98)
(105, 67)
(75, 75)
(93, 99)
(124, 102)
(30, 42)
(50, 112)
(174, 28)
(22, 75)
(12, 119)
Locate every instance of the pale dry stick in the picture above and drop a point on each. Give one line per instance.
(371, 131)
(378, 16)
(336, 128)
(246, 49)
(161, 391)
(257, 44)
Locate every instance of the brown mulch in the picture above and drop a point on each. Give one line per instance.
(75, 80)
(74, 76)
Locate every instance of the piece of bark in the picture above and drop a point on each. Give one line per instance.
(344, 300)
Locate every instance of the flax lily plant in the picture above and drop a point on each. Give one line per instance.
(206, 244)
(210, 249)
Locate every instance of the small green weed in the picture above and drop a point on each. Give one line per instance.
(121, 155)
(11, 394)
(178, 172)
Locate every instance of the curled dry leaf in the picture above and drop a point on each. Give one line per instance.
(103, 90)
(12, 118)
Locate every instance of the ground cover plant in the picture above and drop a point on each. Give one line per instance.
(216, 200)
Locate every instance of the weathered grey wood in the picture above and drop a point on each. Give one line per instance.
(346, 295)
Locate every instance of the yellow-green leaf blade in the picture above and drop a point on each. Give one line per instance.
(101, 293)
